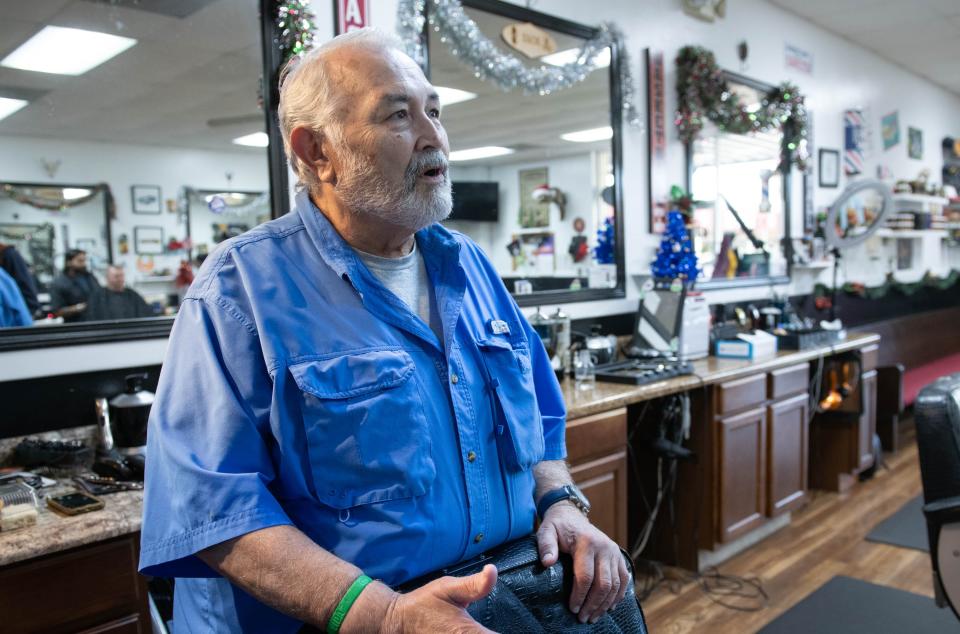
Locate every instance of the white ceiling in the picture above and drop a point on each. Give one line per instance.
(922, 36)
(195, 60)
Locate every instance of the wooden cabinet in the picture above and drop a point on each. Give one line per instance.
(88, 589)
(742, 472)
(597, 454)
(787, 437)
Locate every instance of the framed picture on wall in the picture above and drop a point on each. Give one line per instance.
(148, 240)
(145, 199)
(829, 163)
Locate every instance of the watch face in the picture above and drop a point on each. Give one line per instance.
(578, 498)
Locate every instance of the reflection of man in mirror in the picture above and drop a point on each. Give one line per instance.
(13, 263)
(72, 288)
(349, 390)
(115, 300)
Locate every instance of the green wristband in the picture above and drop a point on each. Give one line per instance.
(336, 620)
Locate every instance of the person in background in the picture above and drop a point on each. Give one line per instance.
(13, 263)
(115, 300)
(72, 288)
(13, 308)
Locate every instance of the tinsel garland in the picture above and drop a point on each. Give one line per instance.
(12, 191)
(890, 284)
(703, 93)
(469, 44)
(295, 24)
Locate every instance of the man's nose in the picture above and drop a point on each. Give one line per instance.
(431, 134)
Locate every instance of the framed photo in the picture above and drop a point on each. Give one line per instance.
(146, 199)
(914, 143)
(532, 212)
(829, 164)
(148, 240)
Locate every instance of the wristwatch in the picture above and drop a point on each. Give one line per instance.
(566, 492)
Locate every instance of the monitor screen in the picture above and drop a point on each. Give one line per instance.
(658, 320)
(476, 200)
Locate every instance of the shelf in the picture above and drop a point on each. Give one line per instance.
(911, 234)
(920, 198)
(822, 264)
(155, 279)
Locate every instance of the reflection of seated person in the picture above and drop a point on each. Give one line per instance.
(72, 288)
(13, 263)
(116, 301)
(13, 308)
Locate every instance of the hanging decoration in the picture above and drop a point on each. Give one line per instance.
(890, 284)
(675, 258)
(468, 43)
(295, 25)
(703, 93)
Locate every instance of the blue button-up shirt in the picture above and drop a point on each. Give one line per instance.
(298, 390)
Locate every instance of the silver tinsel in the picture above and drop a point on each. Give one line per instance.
(470, 45)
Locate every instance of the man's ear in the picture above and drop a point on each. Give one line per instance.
(310, 147)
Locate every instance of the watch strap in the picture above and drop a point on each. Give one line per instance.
(552, 497)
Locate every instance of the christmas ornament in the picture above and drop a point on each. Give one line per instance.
(703, 93)
(470, 45)
(295, 24)
(675, 259)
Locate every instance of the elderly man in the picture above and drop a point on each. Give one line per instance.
(115, 300)
(350, 390)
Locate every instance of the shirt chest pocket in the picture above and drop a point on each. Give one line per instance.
(517, 420)
(367, 434)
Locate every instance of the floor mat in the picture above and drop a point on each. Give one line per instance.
(907, 527)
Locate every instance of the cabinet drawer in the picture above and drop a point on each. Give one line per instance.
(596, 435)
(741, 393)
(790, 380)
(870, 355)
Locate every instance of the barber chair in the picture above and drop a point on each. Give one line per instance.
(937, 415)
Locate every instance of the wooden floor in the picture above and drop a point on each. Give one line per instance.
(823, 540)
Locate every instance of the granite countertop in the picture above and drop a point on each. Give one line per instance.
(54, 532)
(602, 397)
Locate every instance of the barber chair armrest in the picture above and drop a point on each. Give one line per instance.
(943, 511)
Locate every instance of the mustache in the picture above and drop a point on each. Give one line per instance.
(420, 163)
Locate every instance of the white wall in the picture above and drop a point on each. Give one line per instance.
(844, 76)
(122, 166)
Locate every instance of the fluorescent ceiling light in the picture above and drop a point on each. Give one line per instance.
(450, 96)
(586, 136)
(486, 151)
(561, 58)
(9, 106)
(64, 51)
(72, 193)
(257, 139)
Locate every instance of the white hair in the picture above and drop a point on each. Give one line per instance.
(309, 96)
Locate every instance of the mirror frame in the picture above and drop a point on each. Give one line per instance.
(187, 191)
(12, 339)
(785, 170)
(515, 12)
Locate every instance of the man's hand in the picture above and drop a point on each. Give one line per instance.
(441, 605)
(600, 575)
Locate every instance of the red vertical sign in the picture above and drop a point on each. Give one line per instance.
(352, 14)
(656, 126)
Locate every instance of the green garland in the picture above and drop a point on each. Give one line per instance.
(295, 24)
(890, 284)
(703, 93)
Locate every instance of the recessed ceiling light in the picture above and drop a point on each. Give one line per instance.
(561, 58)
(56, 49)
(257, 139)
(9, 106)
(450, 96)
(486, 151)
(587, 136)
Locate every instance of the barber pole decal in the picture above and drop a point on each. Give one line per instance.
(852, 142)
(352, 15)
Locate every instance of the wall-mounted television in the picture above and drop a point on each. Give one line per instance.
(476, 200)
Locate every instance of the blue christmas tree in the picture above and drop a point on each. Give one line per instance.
(603, 252)
(675, 258)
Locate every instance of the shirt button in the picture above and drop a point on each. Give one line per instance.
(471, 456)
(454, 379)
(478, 538)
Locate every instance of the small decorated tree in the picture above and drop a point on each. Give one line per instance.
(675, 258)
(606, 240)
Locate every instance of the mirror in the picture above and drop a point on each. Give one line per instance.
(740, 185)
(177, 102)
(536, 203)
(215, 215)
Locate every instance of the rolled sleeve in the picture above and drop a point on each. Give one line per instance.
(209, 469)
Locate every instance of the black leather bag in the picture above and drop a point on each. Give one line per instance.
(531, 598)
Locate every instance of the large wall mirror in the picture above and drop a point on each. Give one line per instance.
(174, 101)
(741, 186)
(535, 176)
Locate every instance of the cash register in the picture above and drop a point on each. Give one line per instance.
(652, 354)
